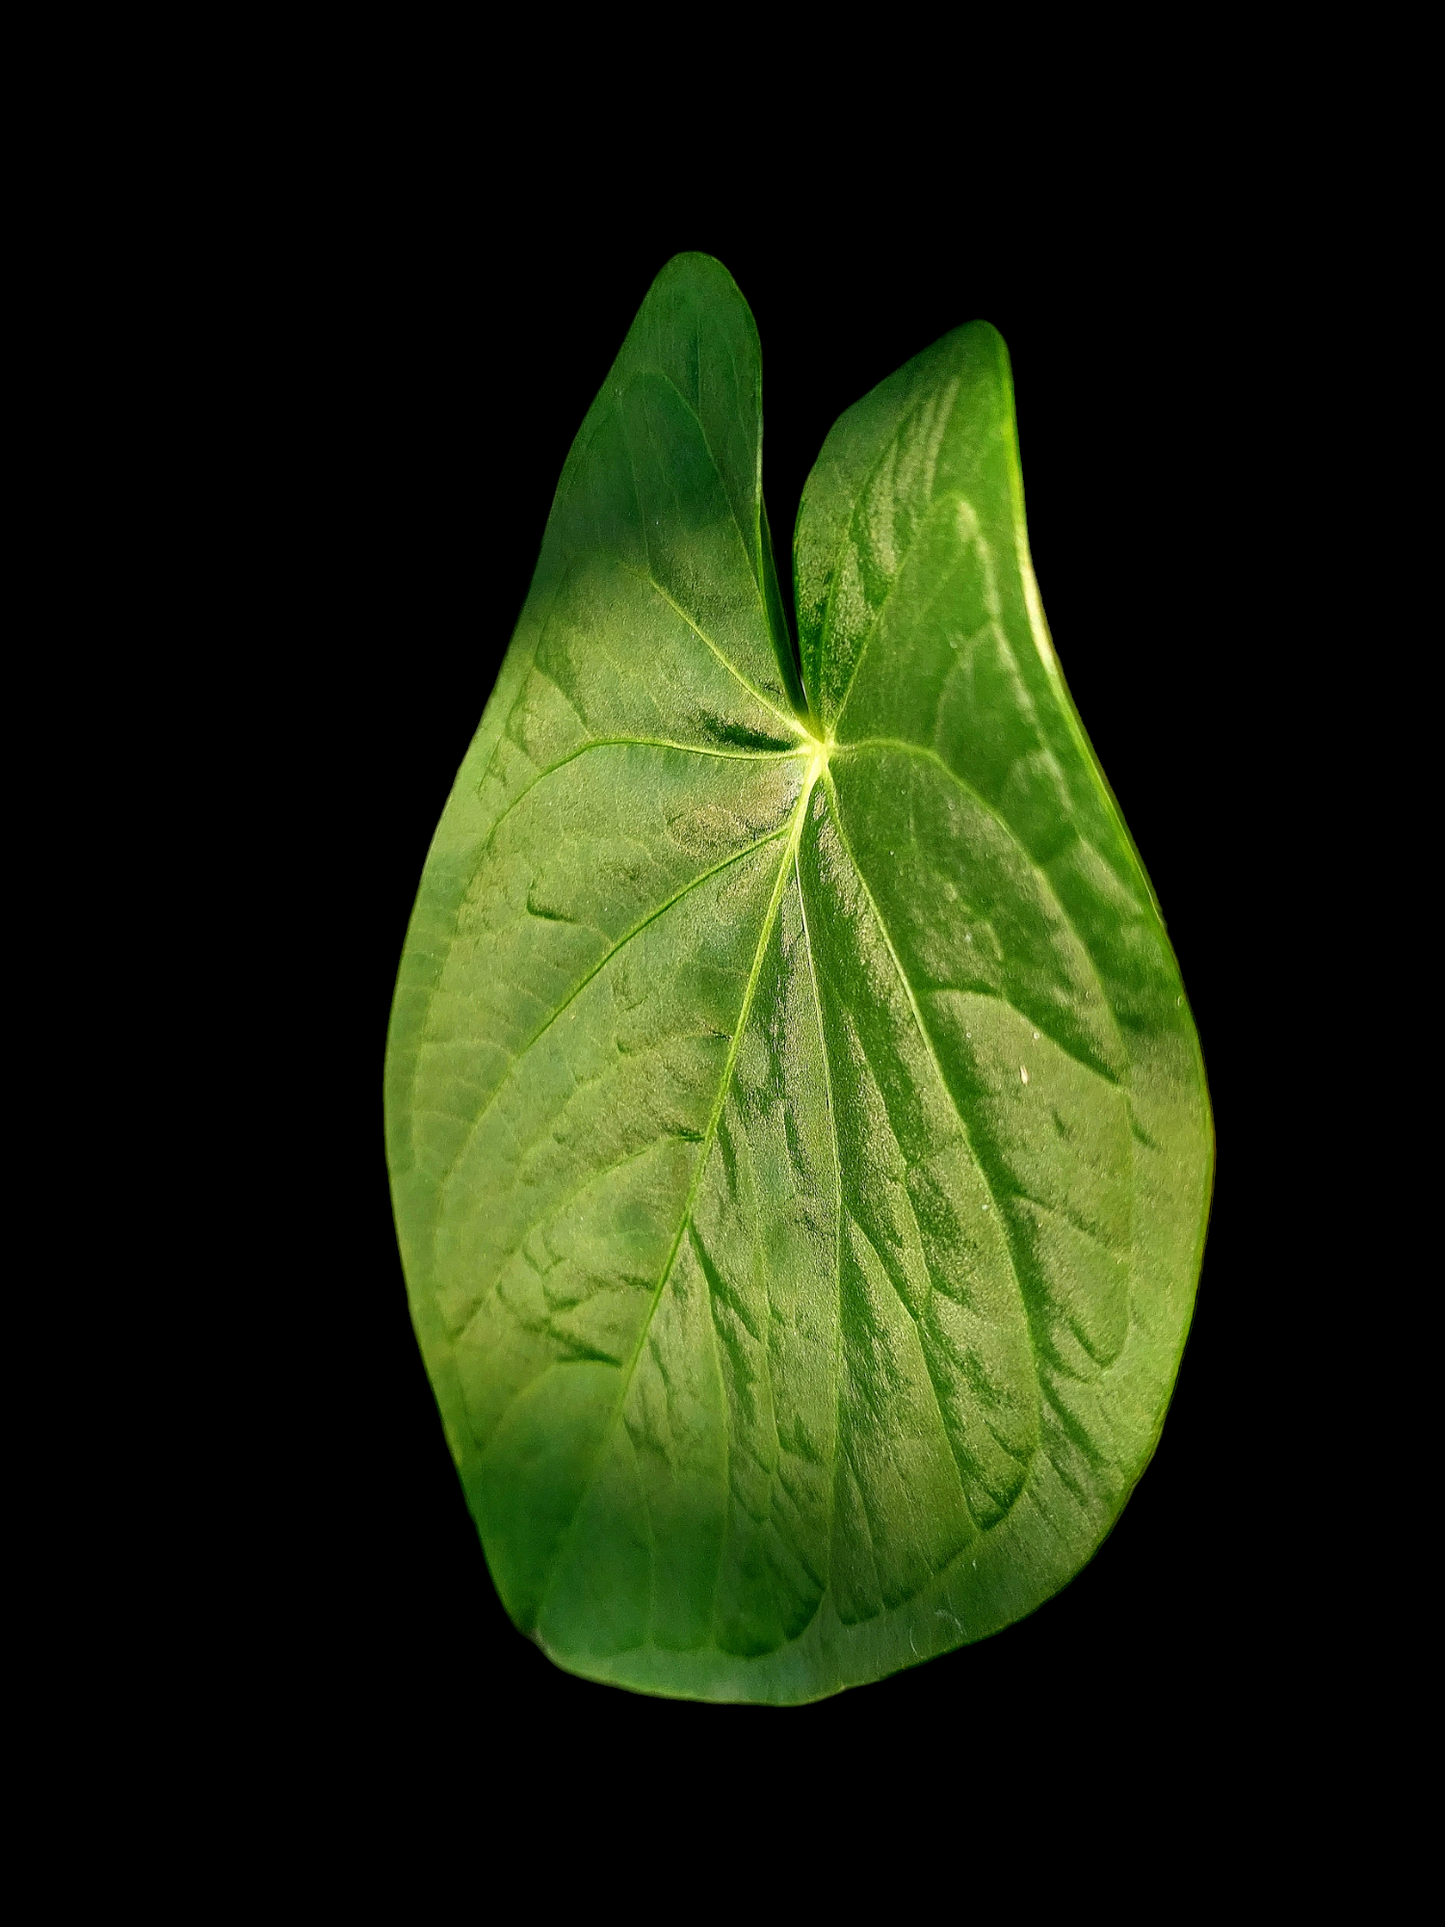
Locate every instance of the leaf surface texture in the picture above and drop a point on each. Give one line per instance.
(799, 1141)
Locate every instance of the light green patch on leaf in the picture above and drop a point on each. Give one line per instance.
(798, 1136)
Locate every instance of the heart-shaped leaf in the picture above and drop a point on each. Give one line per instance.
(798, 1136)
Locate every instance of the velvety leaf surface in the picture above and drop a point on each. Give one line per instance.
(798, 1136)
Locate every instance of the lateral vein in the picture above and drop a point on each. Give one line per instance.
(724, 1084)
(732, 669)
(582, 983)
(927, 1041)
(901, 747)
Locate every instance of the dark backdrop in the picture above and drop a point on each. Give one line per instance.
(441, 367)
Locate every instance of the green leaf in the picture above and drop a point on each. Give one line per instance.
(798, 1136)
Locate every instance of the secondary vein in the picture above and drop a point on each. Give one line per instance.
(792, 721)
(927, 1041)
(724, 1084)
(900, 747)
(582, 983)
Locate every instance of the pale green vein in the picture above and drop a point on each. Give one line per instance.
(724, 1083)
(900, 747)
(582, 983)
(782, 648)
(677, 607)
(1036, 1348)
(890, 447)
(600, 742)
(922, 749)
(926, 1038)
(629, 742)
(957, 1449)
(755, 562)
(793, 722)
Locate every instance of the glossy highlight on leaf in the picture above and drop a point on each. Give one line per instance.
(799, 1143)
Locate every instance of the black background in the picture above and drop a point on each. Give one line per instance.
(441, 366)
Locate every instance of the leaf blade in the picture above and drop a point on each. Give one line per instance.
(799, 1142)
